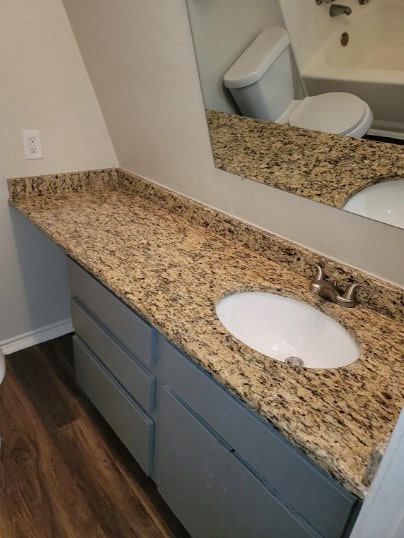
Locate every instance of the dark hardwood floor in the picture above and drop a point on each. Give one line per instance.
(63, 472)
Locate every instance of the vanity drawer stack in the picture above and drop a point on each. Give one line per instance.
(114, 359)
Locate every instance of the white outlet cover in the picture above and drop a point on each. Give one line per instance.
(32, 144)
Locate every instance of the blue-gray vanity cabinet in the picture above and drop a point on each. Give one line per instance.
(269, 484)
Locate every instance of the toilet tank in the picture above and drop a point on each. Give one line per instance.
(261, 79)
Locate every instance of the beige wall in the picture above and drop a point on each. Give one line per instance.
(153, 107)
(45, 86)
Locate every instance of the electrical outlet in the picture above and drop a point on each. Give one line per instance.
(32, 144)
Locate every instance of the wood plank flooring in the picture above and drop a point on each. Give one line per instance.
(63, 472)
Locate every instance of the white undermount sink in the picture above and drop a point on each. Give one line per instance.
(287, 330)
(383, 201)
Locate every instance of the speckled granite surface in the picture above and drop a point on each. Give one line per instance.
(172, 261)
(319, 166)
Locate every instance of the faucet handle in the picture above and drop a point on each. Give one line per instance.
(351, 292)
(319, 272)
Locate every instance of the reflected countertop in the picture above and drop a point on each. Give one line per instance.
(172, 259)
(322, 167)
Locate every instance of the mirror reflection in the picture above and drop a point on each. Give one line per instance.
(289, 85)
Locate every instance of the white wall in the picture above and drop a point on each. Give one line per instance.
(153, 107)
(221, 30)
(45, 86)
(382, 513)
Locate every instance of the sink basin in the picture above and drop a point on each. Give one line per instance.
(383, 201)
(287, 330)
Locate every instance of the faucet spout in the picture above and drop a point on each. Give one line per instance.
(338, 9)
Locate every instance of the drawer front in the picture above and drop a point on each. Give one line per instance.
(131, 424)
(122, 322)
(132, 376)
(281, 466)
(250, 510)
(190, 467)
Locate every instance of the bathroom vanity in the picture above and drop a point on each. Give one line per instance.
(219, 466)
(237, 443)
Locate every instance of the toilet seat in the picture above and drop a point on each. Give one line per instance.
(335, 113)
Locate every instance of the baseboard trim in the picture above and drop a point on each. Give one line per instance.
(22, 341)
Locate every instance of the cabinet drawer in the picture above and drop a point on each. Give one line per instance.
(251, 511)
(324, 503)
(122, 322)
(132, 376)
(190, 467)
(130, 423)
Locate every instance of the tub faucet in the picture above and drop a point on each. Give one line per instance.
(328, 291)
(338, 9)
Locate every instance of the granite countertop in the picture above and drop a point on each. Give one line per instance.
(164, 257)
(319, 166)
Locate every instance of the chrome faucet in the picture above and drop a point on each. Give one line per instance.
(328, 291)
(338, 9)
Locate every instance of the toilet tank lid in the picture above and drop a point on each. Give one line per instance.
(257, 58)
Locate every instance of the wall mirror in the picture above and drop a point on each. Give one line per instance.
(357, 52)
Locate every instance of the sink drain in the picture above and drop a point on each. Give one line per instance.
(295, 362)
(344, 39)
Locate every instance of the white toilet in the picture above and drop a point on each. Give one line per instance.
(261, 83)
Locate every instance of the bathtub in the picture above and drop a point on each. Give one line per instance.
(371, 66)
